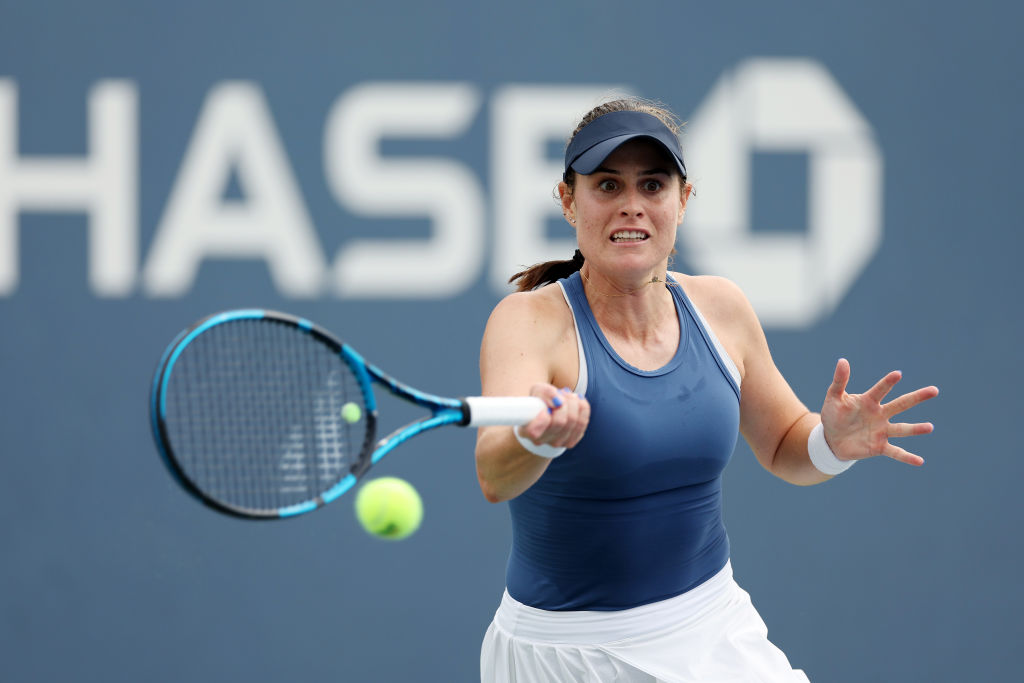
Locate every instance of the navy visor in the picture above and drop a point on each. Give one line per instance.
(602, 136)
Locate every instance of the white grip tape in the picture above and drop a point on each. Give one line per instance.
(822, 456)
(485, 411)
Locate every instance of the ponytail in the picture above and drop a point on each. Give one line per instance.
(546, 273)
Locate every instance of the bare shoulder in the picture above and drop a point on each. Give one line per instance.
(534, 319)
(544, 306)
(529, 338)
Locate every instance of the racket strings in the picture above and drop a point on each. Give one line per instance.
(254, 415)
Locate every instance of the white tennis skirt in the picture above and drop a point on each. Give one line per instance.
(711, 634)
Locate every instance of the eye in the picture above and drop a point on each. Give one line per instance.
(607, 185)
(652, 185)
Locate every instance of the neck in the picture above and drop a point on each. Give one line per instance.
(600, 285)
(634, 310)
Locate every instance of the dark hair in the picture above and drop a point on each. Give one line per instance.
(551, 271)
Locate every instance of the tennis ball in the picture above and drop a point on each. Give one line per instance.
(350, 412)
(389, 507)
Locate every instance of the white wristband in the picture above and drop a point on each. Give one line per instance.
(822, 456)
(543, 450)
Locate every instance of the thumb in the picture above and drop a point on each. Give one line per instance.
(839, 379)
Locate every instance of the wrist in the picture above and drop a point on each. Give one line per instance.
(822, 456)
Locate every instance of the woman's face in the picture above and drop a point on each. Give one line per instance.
(626, 212)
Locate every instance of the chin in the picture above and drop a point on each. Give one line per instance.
(636, 263)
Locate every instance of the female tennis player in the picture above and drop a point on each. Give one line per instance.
(619, 568)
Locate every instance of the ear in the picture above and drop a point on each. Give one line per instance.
(568, 207)
(684, 197)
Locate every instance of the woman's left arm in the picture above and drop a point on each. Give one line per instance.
(777, 424)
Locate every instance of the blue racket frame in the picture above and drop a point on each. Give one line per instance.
(443, 411)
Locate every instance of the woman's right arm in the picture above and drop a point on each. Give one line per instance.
(520, 355)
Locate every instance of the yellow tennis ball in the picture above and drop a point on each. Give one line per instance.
(389, 507)
(351, 412)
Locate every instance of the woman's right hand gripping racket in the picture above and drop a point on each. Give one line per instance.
(265, 415)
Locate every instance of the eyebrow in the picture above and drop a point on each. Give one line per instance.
(652, 171)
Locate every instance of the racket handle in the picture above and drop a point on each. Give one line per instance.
(485, 411)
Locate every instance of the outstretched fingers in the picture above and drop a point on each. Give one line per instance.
(901, 429)
(884, 386)
(901, 455)
(860, 425)
(907, 401)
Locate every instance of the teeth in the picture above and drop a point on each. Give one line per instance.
(628, 235)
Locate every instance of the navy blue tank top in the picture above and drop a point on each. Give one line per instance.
(633, 513)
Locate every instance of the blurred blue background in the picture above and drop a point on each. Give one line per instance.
(248, 111)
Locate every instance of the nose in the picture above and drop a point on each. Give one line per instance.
(632, 204)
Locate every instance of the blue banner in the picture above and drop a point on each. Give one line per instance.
(382, 170)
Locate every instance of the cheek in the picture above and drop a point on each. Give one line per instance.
(670, 215)
(588, 213)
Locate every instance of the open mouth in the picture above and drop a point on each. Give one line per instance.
(629, 236)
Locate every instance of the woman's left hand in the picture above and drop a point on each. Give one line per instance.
(857, 426)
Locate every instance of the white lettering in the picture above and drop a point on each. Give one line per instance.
(766, 105)
(235, 132)
(784, 105)
(102, 184)
(446, 191)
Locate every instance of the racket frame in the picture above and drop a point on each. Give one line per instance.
(443, 411)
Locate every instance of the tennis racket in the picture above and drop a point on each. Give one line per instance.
(266, 415)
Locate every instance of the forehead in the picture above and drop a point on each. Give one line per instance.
(643, 152)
